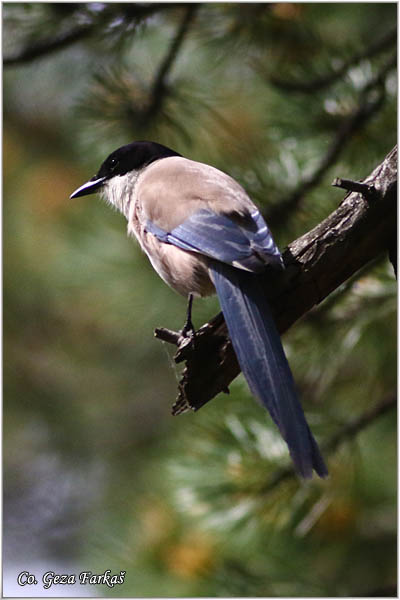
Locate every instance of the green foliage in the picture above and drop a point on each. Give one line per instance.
(284, 97)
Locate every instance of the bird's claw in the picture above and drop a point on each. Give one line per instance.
(185, 343)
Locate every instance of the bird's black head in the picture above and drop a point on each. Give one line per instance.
(132, 157)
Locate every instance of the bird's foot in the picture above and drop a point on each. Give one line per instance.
(183, 339)
(188, 332)
(185, 343)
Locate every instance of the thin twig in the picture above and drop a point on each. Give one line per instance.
(159, 87)
(347, 431)
(185, 343)
(315, 85)
(278, 214)
(353, 427)
(59, 41)
(167, 335)
(368, 191)
(49, 45)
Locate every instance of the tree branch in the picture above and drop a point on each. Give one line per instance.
(354, 426)
(348, 430)
(37, 49)
(368, 191)
(43, 47)
(369, 105)
(316, 264)
(315, 85)
(159, 88)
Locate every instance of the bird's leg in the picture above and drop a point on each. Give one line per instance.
(188, 330)
(184, 339)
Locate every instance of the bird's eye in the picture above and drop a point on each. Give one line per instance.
(113, 164)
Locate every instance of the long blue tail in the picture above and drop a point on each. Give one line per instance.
(263, 362)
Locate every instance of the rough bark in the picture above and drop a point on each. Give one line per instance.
(359, 230)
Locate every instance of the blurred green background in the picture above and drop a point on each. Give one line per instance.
(97, 474)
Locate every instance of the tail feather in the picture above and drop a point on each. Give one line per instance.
(263, 362)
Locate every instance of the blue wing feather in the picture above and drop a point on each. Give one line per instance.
(219, 237)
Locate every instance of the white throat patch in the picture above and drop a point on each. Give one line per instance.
(120, 191)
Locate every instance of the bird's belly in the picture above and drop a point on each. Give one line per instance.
(186, 272)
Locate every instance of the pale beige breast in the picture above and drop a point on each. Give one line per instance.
(185, 272)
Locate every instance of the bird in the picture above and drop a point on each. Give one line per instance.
(203, 234)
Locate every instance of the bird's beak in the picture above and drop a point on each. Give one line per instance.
(90, 187)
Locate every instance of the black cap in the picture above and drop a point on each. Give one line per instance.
(132, 157)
